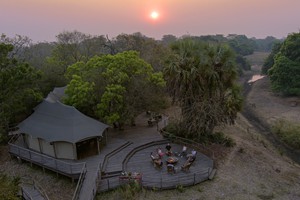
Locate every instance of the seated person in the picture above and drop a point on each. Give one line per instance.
(194, 152)
(191, 157)
(154, 157)
(186, 166)
(159, 152)
(158, 162)
(168, 148)
(183, 152)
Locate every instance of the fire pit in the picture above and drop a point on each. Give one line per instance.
(172, 160)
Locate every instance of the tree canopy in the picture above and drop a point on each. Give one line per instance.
(201, 77)
(119, 87)
(285, 73)
(19, 90)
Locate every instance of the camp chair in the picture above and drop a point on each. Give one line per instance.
(186, 166)
(157, 163)
(171, 168)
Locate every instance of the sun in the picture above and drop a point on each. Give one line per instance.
(154, 15)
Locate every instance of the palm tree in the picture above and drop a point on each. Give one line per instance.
(201, 78)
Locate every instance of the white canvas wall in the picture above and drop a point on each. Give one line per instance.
(65, 150)
(47, 148)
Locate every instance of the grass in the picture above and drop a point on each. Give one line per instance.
(289, 132)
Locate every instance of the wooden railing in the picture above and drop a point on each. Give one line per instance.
(35, 185)
(141, 147)
(190, 143)
(79, 183)
(115, 151)
(162, 182)
(72, 170)
(96, 183)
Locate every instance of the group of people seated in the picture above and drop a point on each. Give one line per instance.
(157, 158)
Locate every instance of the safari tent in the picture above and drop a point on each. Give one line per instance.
(61, 131)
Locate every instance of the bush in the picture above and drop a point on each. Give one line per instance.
(288, 132)
(220, 138)
(9, 188)
(180, 188)
(130, 191)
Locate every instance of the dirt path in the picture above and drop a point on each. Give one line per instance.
(262, 108)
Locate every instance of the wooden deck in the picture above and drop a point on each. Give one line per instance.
(153, 177)
(125, 150)
(140, 161)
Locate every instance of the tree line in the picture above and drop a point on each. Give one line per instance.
(113, 80)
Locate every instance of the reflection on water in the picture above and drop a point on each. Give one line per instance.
(255, 78)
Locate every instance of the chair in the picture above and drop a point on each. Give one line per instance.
(171, 168)
(156, 160)
(158, 163)
(186, 166)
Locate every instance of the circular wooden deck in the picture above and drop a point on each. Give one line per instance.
(153, 177)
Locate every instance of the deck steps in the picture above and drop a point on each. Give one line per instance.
(31, 193)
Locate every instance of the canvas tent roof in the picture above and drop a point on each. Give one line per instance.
(57, 94)
(54, 121)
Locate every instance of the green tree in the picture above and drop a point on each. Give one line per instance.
(81, 94)
(285, 73)
(123, 85)
(201, 77)
(19, 90)
(241, 44)
(269, 62)
(153, 52)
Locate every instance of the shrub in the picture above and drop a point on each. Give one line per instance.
(288, 132)
(130, 191)
(9, 187)
(220, 138)
(180, 188)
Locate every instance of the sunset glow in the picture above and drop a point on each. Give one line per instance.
(154, 15)
(44, 19)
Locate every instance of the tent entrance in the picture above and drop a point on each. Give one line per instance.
(87, 148)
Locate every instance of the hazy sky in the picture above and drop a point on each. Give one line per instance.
(42, 20)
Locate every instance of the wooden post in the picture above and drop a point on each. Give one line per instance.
(98, 145)
(30, 158)
(54, 149)
(106, 136)
(160, 182)
(107, 184)
(194, 178)
(70, 168)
